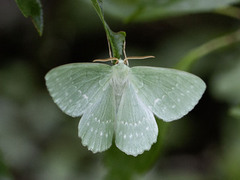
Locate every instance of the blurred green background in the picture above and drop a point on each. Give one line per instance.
(39, 142)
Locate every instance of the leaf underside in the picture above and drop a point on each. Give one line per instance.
(32, 9)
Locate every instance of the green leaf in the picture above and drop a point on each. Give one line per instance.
(32, 9)
(225, 84)
(195, 54)
(145, 10)
(116, 40)
(235, 111)
(126, 166)
(4, 171)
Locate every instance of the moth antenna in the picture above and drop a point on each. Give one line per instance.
(124, 50)
(126, 61)
(109, 49)
(125, 55)
(140, 57)
(105, 60)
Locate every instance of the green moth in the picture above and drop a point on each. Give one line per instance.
(119, 101)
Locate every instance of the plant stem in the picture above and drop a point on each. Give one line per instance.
(195, 54)
(229, 11)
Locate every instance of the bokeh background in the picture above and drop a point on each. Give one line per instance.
(39, 142)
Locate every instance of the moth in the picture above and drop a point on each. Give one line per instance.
(119, 102)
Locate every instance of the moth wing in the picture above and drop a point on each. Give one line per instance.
(168, 93)
(74, 86)
(136, 128)
(96, 127)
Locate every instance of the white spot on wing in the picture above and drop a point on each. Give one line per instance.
(164, 109)
(156, 101)
(150, 107)
(85, 96)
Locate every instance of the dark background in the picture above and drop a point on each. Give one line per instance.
(38, 141)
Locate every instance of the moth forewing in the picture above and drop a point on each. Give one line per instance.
(168, 93)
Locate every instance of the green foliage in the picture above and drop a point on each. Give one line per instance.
(235, 112)
(32, 9)
(116, 40)
(4, 172)
(145, 10)
(204, 145)
(189, 59)
(225, 84)
(127, 167)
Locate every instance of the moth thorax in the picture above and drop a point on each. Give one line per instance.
(119, 80)
(118, 92)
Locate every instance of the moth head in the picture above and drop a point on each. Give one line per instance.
(125, 61)
(120, 61)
